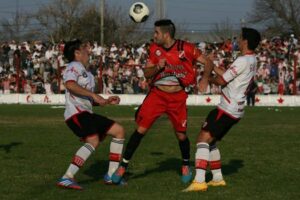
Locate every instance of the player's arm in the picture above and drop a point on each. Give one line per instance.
(208, 67)
(76, 89)
(151, 69)
(218, 79)
(225, 76)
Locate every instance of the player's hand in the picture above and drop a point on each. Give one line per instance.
(114, 100)
(203, 84)
(100, 100)
(211, 56)
(161, 63)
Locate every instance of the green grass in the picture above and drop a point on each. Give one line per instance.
(260, 156)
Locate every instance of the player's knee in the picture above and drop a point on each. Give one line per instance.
(142, 130)
(94, 141)
(181, 136)
(205, 136)
(118, 131)
(121, 132)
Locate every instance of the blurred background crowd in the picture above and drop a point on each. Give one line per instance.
(37, 67)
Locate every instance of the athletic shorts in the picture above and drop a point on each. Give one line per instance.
(86, 124)
(158, 102)
(218, 123)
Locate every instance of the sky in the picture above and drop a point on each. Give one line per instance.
(193, 15)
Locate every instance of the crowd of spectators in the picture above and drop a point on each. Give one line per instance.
(121, 67)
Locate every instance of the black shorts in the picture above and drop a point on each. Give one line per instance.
(218, 123)
(86, 124)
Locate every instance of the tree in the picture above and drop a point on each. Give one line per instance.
(68, 19)
(58, 18)
(224, 30)
(278, 15)
(15, 28)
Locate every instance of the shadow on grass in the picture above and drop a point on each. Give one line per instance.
(228, 169)
(174, 164)
(171, 164)
(7, 147)
(96, 171)
(232, 167)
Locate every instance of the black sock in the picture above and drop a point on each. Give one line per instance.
(185, 151)
(132, 145)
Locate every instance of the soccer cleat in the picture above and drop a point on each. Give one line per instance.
(196, 187)
(216, 183)
(107, 180)
(186, 174)
(118, 175)
(68, 183)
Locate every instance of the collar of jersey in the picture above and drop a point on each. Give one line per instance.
(168, 49)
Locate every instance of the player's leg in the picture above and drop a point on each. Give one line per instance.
(78, 125)
(133, 143)
(202, 154)
(116, 148)
(217, 124)
(148, 112)
(249, 99)
(201, 162)
(177, 113)
(82, 154)
(223, 125)
(105, 126)
(184, 145)
(215, 166)
(253, 98)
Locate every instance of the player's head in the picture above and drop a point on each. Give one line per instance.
(250, 38)
(75, 50)
(164, 29)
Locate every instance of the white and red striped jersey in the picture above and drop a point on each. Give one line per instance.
(76, 72)
(238, 78)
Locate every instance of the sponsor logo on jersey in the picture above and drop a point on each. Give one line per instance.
(181, 55)
(84, 75)
(233, 70)
(72, 70)
(158, 52)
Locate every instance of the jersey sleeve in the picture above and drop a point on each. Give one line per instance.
(196, 52)
(236, 68)
(192, 51)
(71, 73)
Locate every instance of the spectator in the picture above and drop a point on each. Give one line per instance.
(251, 94)
(124, 64)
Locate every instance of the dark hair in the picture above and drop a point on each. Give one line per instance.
(70, 48)
(252, 36)
(166, 26)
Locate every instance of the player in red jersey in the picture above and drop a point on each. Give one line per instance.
(170, 67)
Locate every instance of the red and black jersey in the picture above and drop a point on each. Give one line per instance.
(180, 59)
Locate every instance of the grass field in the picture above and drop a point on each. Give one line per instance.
(260, 156)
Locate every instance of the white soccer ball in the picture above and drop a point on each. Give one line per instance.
(139, 12)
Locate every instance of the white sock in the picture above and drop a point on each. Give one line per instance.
(202, 156)
(116, 148)
(215, 163)
(79, 159)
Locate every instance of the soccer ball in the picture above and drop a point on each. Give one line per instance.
(139, 12)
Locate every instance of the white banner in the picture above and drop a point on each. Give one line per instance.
(206, 100)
